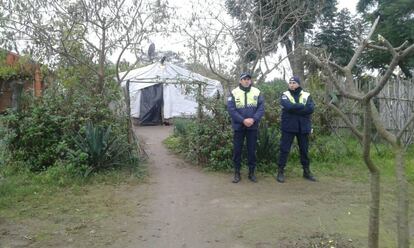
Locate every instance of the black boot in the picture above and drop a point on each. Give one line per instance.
(252, 176)
(307, 174)
(237, 177)
(280, 175)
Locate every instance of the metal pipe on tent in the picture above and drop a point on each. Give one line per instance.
(128, 110)
(200, 106)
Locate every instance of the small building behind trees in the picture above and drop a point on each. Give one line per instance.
(18, 74)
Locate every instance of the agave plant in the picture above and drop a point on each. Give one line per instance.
(104, 150)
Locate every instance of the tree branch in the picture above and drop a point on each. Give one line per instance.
(402, 45)
(407, 51)
(268, 70)
(331, 76)
(340, 68)
(396, 59)
(384, 133)
(348, 122)
(377, 47)
(366, 141)
(361, 47)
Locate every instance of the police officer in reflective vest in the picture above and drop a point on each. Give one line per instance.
(246, 108)
(297, 108)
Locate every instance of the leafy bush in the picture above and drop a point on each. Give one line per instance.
(324, 116)
(40, 135)
(207, 142)
(3, 145)
(181, 126)
(35, 136)
(272, 91)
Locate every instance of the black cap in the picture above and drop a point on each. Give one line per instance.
(245, 75)
(295, 79)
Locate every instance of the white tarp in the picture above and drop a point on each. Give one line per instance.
(176, 82)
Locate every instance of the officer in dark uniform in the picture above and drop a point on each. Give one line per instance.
(246, 108)
(297, 108)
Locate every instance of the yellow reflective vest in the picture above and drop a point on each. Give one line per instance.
(303, 97)
(245, 99)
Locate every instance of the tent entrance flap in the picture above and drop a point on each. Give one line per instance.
(151, 105)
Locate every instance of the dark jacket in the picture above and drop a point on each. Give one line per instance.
(296, 117)
(245, 103)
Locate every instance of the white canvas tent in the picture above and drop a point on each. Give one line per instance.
(162, 91)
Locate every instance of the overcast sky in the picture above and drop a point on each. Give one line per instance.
(176, 42)
(349, 4)
(183, 9)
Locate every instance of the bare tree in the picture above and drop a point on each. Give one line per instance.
(225, 40)
(103, 29)
(371, 119)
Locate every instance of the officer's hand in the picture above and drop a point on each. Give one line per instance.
(248, 122)
(251, 121)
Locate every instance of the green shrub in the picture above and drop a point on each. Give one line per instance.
(41, 134)
(35, 136)
(181, 126)
(3, 145)
(272, 91)
(208, 141)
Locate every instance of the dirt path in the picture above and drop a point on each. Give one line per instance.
(191, 208)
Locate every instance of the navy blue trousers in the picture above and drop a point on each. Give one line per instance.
(286, 143)
(238, 140)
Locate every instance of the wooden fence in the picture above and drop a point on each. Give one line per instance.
(395, 104)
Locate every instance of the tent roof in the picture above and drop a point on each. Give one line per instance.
(164, 73)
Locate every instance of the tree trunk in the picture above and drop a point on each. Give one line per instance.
(403, 202)
(373, 226)
(298, 66)
(296, 59)
(101, 69)
(373, 229)
(403, 228)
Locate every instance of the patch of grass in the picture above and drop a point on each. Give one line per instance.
(410, 163)
(342, 157)
(173, 143)
(25, 194)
